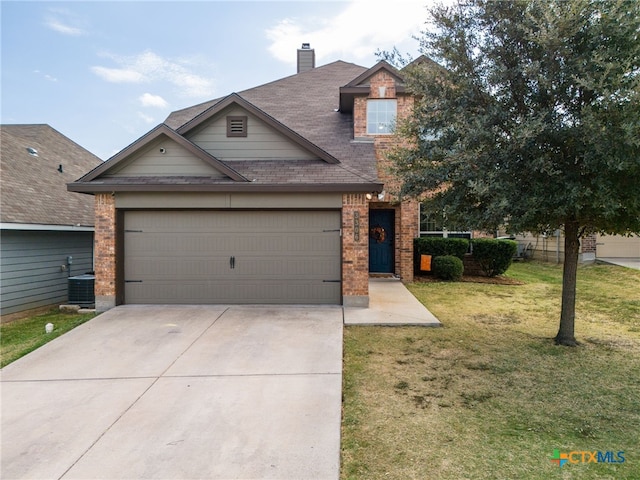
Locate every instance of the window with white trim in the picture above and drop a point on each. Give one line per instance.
(434, 224)
(381, 116)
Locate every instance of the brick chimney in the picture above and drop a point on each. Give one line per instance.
(306, 58)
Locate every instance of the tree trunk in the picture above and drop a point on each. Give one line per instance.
(565, 334)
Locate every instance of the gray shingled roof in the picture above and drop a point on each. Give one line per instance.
(304, 105)
(307, 104)
(32, 190)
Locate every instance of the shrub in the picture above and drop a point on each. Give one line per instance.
(447, 267)
(493, 256)
(437, 247)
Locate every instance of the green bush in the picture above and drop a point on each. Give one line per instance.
(493, 256)
(437, 247)
(447, 267)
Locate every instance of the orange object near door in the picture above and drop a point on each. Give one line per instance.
(425, 263)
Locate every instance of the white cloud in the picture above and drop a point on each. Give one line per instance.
(65, 22)
(150, 67)
(149, 100)
(146, 118)
(46, 76)
(60, 27)
(118, 75)
(355, 33)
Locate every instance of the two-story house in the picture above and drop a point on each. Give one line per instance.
(275, 194)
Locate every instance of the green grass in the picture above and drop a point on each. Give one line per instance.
(489, 395)
(20, 337)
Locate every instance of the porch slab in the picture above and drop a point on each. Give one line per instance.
(390, 304)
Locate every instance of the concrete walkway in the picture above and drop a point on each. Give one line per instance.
(390, 304)
(622, 262)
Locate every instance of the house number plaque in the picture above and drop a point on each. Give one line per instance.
(356, 226)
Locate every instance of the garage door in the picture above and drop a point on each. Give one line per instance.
(238, 257)
(615, 246)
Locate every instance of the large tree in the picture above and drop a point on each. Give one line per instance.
(530, 121)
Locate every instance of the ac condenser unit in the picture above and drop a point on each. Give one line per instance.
(81, 290)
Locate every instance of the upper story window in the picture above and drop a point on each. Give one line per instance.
(381, 116)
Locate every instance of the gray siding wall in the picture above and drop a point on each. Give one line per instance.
(176, 160)
(30, 262)
(261, 143)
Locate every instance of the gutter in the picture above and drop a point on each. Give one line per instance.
(45, 227)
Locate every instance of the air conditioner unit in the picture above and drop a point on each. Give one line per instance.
(81, 290)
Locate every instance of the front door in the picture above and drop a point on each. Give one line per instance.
(381, 235)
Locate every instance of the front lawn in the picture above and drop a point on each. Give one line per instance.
(20, 337)
(488, 395)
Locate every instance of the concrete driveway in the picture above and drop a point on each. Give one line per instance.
(180, 392)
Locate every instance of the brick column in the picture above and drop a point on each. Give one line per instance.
(588, 248)
(105, 251)
(409, 213)
(355, 250)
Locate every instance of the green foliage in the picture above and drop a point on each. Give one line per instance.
(448, 267)
(494, 256)
(438, 246)
(533, 118)
(528, 121)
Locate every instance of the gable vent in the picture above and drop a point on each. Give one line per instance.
(236, 126)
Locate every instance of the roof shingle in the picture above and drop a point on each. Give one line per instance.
(32, 189)
(308, 104)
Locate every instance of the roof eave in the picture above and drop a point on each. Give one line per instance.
(92, 188)
(348, 94)
(151, 136)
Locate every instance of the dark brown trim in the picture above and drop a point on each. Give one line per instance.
(235, 99)
(238, 187)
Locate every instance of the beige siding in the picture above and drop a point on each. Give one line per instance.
(615, 246)
(131, 200)
(175, 161)
(548, 248)
(261, 143)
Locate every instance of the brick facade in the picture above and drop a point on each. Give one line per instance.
(588, 244)
(105, 251)
(355, 250)
(382, 85)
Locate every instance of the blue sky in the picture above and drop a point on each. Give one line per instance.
(105, 73)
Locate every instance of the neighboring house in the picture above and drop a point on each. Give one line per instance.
(46, 231)
(616, 246)
(276, 194)
(550, 248)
